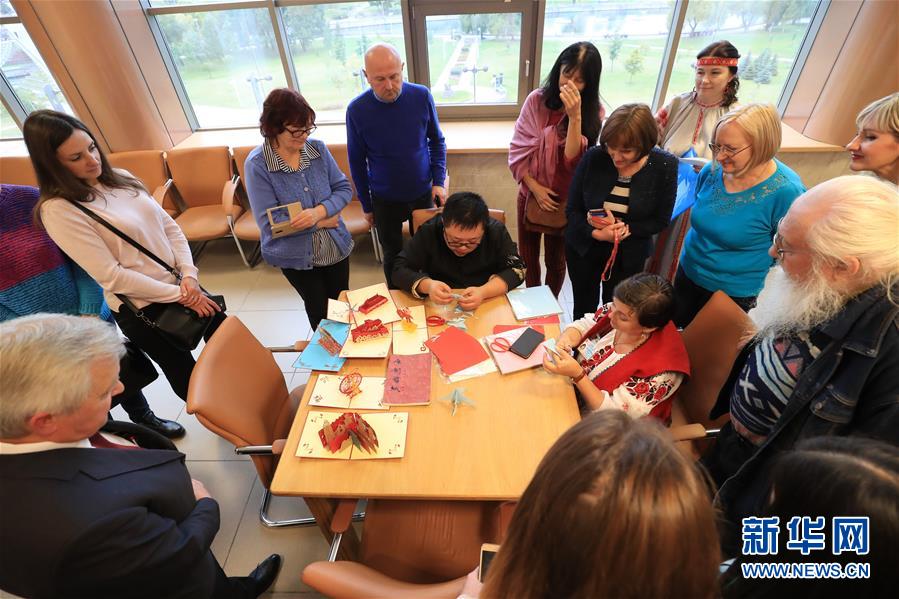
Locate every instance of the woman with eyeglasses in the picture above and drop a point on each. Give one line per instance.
(299, 179)
(740, 198)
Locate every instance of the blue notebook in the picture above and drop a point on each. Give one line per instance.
(533, 302)
(315, 357)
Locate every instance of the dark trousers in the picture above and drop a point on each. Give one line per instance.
(317, 285)
(176, 364)
(689, 298)
(529, 250)
(586, 272)
(389, 219)
(134, 403)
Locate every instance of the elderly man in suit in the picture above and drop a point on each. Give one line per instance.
(81, 515)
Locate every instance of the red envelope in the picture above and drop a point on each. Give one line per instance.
(456, 350)
(502, 328)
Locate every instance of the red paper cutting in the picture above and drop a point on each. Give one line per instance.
(370, 329)
(372, 303)
(456, 350)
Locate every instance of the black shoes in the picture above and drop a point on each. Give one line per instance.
(166, 428)
(265, 573)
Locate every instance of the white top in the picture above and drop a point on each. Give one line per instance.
(115, 264)
(690, 124)
(638, 396)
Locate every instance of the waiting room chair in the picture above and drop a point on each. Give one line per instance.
(420, 217)
(245, 227)
(17, 170)
(410, 549)
(353, 214)
(149, 167)
(206, 184)
(713, 340)
(238, 392)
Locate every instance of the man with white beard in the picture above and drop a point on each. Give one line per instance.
(825, 358)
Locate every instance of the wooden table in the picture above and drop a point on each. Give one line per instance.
(486, 452)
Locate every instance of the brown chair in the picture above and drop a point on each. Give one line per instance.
(238, 392)
(420, 217)
(353, 214)
(149, 167)
(410, 549)
(245, 227)
(17, 170)
(207, 186)
(713, 340)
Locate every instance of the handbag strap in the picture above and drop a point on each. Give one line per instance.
(121, 234)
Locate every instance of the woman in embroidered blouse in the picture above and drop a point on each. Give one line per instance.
(287, 168)
(740, 198)
(875, 147)
(557, 124)
(629, 355)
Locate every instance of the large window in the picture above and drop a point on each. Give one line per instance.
(25, 81)
(479, 57)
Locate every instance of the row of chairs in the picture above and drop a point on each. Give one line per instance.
(238, 392)
(200, 189)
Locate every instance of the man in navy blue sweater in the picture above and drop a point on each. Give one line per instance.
(396, 150)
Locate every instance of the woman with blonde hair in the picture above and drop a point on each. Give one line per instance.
(740, 198)
(614, 510)
(875, 147)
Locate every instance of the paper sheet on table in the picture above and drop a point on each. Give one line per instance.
(338, 311)
(533, 302)
(509, 362)
(315, 357)
(386, 313)
(480, 369)
(390, 428)
(408, 380)
(456, 350)
(327, 394)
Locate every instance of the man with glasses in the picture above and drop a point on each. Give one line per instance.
(463, 248)
(396, 150)
(825, 357)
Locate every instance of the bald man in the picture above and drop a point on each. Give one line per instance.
(825, 358)
(396, 150)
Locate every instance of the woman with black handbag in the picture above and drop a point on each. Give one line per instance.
(105, 220)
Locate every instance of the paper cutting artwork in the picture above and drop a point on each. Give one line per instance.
(508, 362)
(411, 332)
(352, 436)
(334, 391)
(317, 355)
(408, 380)
(456, 350)
(338, 311)
(533, 302)
(370, 339)
(372, 303)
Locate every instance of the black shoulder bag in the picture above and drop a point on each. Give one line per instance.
(179, 325)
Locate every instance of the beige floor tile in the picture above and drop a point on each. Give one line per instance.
(272, 291)
(285, 360)
(276, 327)
(230, 483)
(298, 545)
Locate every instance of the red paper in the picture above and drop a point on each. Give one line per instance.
(456, 350)
(408, 380)
(502, 328)
(551, 319)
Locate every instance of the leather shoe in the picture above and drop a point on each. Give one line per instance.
(166, 428)
(265, 573)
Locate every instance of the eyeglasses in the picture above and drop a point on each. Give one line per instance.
(777, 242)
(729, 152)
(453, 243)
(296, 133)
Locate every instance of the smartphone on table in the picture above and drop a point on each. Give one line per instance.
(525, 345)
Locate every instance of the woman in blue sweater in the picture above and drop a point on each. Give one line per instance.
(314, 253)
(740, 198)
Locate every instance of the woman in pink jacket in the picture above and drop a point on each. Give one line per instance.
(557, 124)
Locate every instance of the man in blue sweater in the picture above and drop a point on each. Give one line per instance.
(396, 150)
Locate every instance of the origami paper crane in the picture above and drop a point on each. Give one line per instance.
(457, 398)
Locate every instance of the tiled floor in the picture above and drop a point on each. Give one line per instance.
(270, 307)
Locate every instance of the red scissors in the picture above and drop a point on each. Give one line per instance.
(500, 345)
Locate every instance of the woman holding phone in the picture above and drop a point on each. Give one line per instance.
(312, 248)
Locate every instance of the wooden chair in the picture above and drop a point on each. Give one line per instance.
(713, 340)
(207, 185)
(238, 392)
(149, 167)
(17, 170)
(420, 217)
(410, 549)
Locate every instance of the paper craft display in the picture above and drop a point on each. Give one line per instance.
(371, 339)
(317, 355)
(338, 311)
(279, 218)
(456, 350)
(408, 381)
(411, 332)
(350, 436)
(506, 361)
(533, 302)
(330, 391)
(372, 303)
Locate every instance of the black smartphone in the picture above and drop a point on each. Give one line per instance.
(525, 345)
(488, 552)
